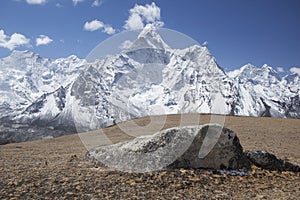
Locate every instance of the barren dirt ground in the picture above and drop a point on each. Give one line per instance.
(56, 169)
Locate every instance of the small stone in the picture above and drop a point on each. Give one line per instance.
(77, 187)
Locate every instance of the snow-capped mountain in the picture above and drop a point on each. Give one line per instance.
(25, 77)
(273, 95)
(149, 78)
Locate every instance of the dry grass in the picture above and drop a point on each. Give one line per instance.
(56, 169)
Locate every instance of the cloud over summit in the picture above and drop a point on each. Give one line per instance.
(141, 15)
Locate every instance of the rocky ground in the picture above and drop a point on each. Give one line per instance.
(56, 168)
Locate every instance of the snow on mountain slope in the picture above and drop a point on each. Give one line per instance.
(149, 38)
(270, 93)
(149, 78)
(150, 81)
(25, 77)
(292, 82)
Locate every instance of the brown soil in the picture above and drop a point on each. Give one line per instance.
(56, 169)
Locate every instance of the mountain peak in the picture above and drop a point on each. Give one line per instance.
(148, 29)
(18, 57)
(25, 53)
(248, 66)
(267, 67)
(149, 38)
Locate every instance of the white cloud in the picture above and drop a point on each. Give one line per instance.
(134, 22)
(108, 29)
(204, 43)
(295, 70)
(13, 41)
(97, 3)
(75, 2)
(36, 2)
(2, 35)
(43, 40)
(126, 45)
(96, 25)
(150, 13)
(93, 25)
(280, 69)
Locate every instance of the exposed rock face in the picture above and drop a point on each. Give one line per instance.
(213, 147)
(207, 146)
(269, 161)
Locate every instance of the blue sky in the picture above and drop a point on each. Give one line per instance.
(235, 31)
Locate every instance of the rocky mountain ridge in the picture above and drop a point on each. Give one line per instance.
(148, 78)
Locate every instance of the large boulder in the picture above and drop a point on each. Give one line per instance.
(208, 146)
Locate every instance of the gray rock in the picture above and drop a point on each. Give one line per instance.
(3, 141)
(209, 146)
(266, 160)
